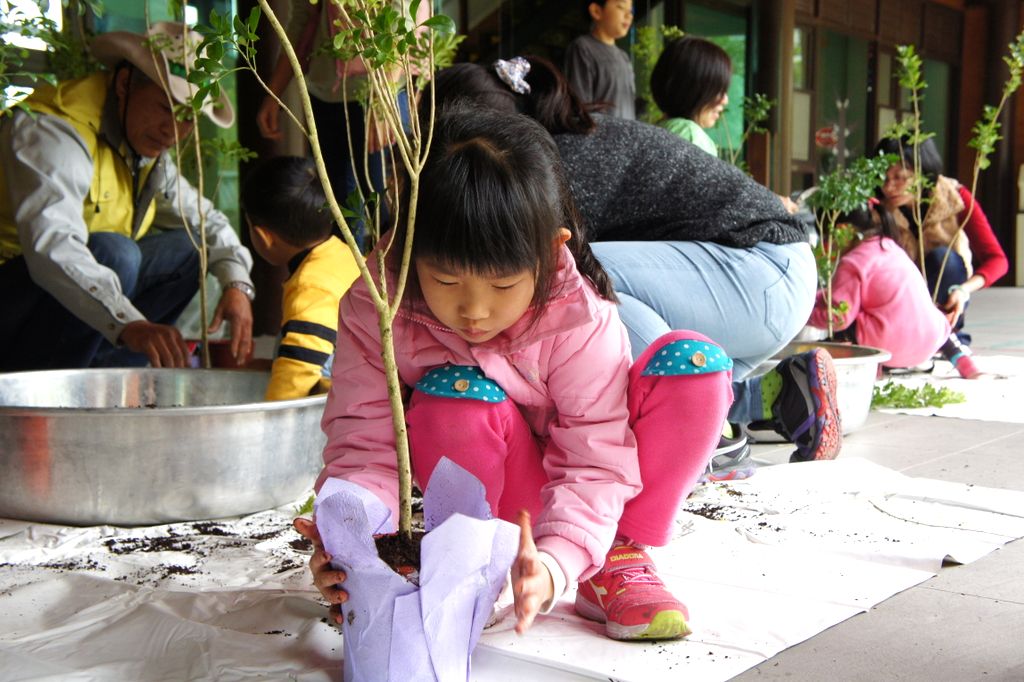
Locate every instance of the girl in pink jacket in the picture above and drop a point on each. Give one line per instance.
(516, 366)
(888, 304)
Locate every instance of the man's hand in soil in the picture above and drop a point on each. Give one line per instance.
(325, 578)
(235, 307)
(532, 586)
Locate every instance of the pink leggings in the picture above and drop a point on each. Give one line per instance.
(677, 420)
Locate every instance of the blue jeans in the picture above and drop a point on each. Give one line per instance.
(159, 274)
(333, 120)
(954, 273)
(751, 301)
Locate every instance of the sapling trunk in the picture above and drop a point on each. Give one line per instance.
(198, 241)
(413, 153)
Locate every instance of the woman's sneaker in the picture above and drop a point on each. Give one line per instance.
(630, 599)
(731, 451)
(806, 412)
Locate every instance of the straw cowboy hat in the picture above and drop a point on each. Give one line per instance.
(162, 54)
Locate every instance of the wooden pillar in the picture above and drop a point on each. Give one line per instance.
(776, 79)
(996, 186)
(1016, 249)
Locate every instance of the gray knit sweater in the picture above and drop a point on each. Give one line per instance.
(637, 182)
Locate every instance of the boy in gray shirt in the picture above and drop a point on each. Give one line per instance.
(599, 71)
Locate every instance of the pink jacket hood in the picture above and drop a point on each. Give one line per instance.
(567, 372)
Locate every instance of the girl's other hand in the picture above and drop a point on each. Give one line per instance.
(325, 578)
(955, 304)
(532, 586)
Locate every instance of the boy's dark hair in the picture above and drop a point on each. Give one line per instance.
(691, 74)
(492, 197)
(283, 194)
(551, 100)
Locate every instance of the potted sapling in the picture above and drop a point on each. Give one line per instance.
(423, 623)
(838, 194)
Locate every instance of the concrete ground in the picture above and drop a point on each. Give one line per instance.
(967, 623)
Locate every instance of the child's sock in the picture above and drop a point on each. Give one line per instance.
(959, 355)
(771, 387)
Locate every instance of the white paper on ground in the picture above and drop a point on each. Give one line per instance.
(232, 600)
(995, 397)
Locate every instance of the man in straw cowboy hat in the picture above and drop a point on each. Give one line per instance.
(83, 179)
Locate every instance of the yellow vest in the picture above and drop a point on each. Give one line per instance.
(109, 205)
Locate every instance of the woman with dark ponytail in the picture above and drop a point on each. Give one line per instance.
(690, 242)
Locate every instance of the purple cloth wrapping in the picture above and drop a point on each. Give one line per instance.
(392, 629)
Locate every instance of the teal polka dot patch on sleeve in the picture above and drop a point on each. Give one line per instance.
(687, 357)
(460, 381)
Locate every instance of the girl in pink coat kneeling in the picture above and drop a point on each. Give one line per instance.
(516, 366)
(888, 304)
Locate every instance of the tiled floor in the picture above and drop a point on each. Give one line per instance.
(967, 623)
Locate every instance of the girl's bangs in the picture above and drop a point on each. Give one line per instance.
(475, 215)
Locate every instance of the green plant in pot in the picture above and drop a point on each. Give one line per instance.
(839, 193)
(394, 628)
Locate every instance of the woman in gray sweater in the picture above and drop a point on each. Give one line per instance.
(690, 242)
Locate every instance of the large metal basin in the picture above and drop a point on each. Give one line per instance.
(149, 446)
(856, 369)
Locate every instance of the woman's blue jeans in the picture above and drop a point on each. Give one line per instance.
(955, 272)
(751, 301)
(159, 274)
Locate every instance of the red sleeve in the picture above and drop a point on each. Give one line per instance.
(987, 252)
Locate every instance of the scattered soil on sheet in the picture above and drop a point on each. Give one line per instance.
(709, 511)
(73, 565)
(301, 545)
(207, 528)
(171, 543)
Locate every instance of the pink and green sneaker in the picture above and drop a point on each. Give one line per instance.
(629, 598)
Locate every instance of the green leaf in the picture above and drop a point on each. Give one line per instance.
(254, 20)
(306, 508)
(441, 23)
(897, 396)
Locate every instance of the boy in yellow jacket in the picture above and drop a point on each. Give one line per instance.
(290, 225)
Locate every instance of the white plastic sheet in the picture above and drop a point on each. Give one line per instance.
(762, 564)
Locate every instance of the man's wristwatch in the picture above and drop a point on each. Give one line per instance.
(244, 287)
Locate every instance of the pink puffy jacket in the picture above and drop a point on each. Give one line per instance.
(567, 373)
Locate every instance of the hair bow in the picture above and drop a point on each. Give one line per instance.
(513, 74)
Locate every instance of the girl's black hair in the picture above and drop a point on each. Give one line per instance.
(931, 168)
(551, 100)
(283, 194)
(691, 74)
(492, 197)
(928, 153)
